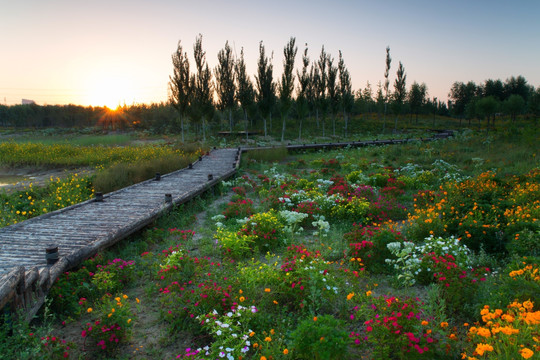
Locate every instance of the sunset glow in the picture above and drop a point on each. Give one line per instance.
(123, 54)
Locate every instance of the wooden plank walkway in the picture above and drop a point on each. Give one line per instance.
(81, 230)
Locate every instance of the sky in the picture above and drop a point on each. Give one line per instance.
(119, 52)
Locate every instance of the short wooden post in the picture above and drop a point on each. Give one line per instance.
(158, 177)
(98, 197)
(168, 198)
(190, 166)
(51, 254)
(210, 177)
(200, 158)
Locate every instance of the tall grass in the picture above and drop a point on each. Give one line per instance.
(124, 174)
(68, 155)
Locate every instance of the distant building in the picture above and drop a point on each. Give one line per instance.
(28, 102)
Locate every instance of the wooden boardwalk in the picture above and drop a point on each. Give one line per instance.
(81, 230)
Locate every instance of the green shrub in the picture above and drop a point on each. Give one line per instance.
(320, 337)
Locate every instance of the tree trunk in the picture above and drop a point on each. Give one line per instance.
(333, 124)
(203, 130)
(264, 121)
(230, 120)
(384, 118)
(346, 118)
(246, 120)
(300, 129)
(182, 127)
(317, 116)
(283, 128)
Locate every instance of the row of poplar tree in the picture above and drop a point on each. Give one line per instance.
(323, 87)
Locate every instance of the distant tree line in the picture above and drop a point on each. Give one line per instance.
(486, 101)
(318, 94)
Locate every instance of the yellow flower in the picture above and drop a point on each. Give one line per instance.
(125, 296)
(129, 320)
(89, 310)
(117, 299)
(368, 293)
(240, 291)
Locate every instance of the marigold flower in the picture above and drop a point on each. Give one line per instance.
(350, 296)
(424, 322)
(267, 290)
(117, 299)
(285, 351)
(368, 293)
(444, 324)
(89, 310)
(526, 353)
(125, 296)
(263, 357)
(129, 321)
(268, 339)
(314, 318)
(242, 299)
(251, 334)
(481, 348)
(137, 300)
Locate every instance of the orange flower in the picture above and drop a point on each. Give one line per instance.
(526, 353)
(314, 318)
(424, 322)
(268, 339)
(444, 324)
(285, 351)
(263, 357)
(242, 299)
(267, 290)
(368, 293)
(89, 310)
(350, 296)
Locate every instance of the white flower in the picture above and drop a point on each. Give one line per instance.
(218, 332)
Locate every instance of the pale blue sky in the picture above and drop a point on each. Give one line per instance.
(105, 52)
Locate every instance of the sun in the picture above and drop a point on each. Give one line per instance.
(111, 91)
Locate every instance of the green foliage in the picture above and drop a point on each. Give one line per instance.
(321, 337)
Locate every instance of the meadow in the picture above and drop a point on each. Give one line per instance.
(417, 251)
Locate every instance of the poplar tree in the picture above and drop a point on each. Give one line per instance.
(286, 86)
(244, 94)
(333, 91)
(305, 90)
(386, 84)
(400, 91)
(181, 91)
(266, 88)
(346, 96)
(320, 82)
(202, 81)
(225, 84)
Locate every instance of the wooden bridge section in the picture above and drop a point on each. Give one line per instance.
(81, 230)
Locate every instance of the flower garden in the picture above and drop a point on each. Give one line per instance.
(331, 255)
